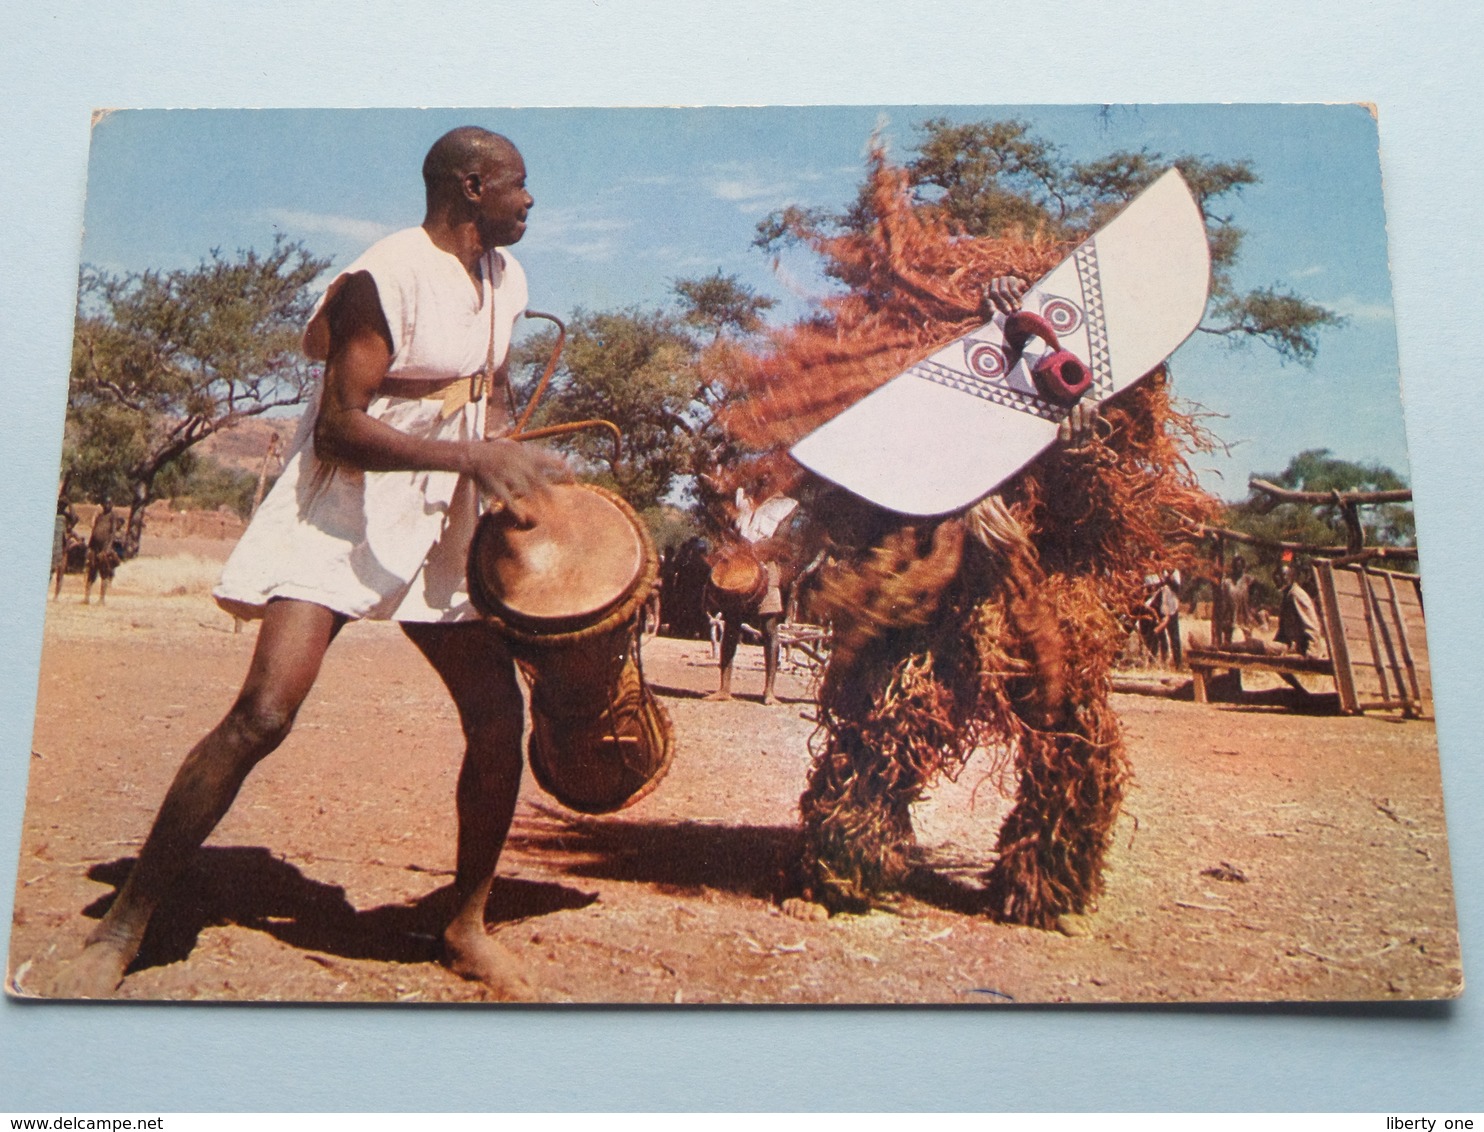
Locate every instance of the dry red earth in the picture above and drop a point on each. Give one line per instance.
(1263, 853)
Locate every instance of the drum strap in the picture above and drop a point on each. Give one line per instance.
(484, 381)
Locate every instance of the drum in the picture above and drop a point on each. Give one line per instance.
(738, 580)
(567, 593)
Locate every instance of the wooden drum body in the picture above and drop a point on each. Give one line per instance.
(566, 593)
(738, 580)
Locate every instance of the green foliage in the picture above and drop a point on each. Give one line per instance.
(1389, 524)
(782, 228)
(993, 177)
(1277, 318)
(641, 370)
(721, 304)
(633, 368)
(101, 443)
(670, 526)
(997, 178)
(163, 359)
(199, 482)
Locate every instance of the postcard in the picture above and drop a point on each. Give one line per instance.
(788, 555)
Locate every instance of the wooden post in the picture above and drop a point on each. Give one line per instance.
(1403, 645)
(1372, 616)
(1334, 628)
(1355, 535)
(1405, 699)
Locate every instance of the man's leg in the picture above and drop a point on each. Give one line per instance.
(1299, 647)
(290, 646)
(89, 572)
(475, 666)
(770, 656)
(731, 634)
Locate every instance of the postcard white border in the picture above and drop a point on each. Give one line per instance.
(1418, 66)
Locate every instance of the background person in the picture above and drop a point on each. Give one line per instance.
(103, 558)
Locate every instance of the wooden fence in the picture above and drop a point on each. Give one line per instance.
(1377, 636)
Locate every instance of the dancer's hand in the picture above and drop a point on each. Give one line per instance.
(1002, 296)
(1078, 429)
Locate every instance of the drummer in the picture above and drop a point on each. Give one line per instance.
(757, 526)
(372, 519)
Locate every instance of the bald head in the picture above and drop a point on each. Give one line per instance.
(460, 152)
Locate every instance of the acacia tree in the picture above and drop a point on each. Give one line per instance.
(1317, 470)
(163, 359)
(630, 367)
(732, 313)
(645, 371)
(721, 304)
(997, 177)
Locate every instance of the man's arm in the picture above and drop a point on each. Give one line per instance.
(344, 433)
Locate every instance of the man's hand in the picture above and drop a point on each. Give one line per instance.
(511, 473)
(1079, 427)
(1002, 296)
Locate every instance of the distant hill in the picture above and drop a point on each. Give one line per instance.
(244, 446)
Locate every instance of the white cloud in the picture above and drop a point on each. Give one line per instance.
(567, 231)
(745, 190)
(352, 228)
(1309, 272)
(1361, 310)
(752, 194)
(678, 258)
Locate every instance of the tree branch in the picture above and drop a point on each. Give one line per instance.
(1205, 530)
(120, 396)
(1337, 498)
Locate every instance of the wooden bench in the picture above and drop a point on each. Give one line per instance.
(1204, 662)
(1375, 634)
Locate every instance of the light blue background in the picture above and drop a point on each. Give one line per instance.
(1418, 66)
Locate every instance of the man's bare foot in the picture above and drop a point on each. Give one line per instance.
(473, 955)
(769, 699)
(718, 697)
(96, 972)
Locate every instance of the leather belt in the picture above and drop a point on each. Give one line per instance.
(454, 393)
(460, 391)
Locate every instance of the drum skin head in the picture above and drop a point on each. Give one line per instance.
(737, 572)
(580, 559)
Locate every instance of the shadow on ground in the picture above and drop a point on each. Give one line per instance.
(678, 857)
(250, 887)
(688, 858)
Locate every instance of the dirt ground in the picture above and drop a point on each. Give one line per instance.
(1263, 853)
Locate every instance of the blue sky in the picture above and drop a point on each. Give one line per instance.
(627, 201)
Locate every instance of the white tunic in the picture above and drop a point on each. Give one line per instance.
(385, 545)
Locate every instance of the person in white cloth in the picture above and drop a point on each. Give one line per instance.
(372, 518)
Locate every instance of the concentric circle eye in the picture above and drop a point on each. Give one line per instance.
(1063, 315)
(986, 359)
